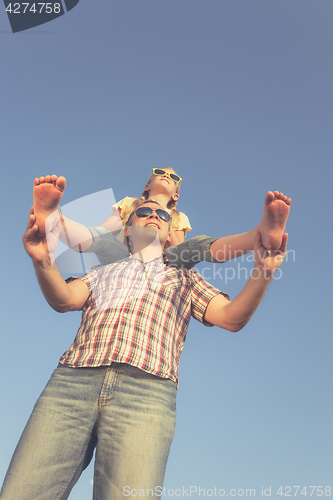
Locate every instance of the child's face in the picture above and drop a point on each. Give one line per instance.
(163, 184)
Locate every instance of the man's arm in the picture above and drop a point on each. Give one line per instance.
(61, 296)
(234, 315)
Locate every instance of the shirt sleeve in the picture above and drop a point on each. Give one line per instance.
(181, 223)
(202, 293)
(90, 279)
(124, 207)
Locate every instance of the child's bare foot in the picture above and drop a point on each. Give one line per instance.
(47, 194)
(273, 222)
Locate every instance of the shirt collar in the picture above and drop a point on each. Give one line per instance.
(163, 258)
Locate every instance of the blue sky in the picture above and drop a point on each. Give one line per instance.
(236, 96)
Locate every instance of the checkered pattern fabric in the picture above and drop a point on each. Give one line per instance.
(138, 314)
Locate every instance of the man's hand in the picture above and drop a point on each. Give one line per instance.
(266, 261)
(39, 247)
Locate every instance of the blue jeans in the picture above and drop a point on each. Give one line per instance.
(127, 415)
(186, 255)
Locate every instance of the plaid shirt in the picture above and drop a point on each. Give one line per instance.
(138, 314)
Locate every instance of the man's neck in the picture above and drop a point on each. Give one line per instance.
(145, 253)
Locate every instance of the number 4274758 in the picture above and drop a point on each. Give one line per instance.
(36, 8)
(317, 491)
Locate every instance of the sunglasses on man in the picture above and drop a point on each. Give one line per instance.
(173, 177)
(144, 212)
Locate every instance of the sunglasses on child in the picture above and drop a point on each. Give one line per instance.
(144, 212)
(160, 171)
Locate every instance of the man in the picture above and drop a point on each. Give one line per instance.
(115, 388)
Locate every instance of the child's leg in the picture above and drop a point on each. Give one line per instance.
(271, 227)
(191, 252)
(273, 222)
(106, 246)
(47, 195)
(48, 192)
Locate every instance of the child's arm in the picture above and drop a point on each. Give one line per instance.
(271, 227)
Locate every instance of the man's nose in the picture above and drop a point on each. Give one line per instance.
(154, 215)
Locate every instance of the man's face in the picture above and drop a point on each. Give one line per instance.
(152, 226)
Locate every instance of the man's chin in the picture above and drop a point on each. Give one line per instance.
(144, 236)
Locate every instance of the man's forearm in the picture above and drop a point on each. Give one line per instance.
(234, 315)
(241, 309)
(61, 296)
(52, 285)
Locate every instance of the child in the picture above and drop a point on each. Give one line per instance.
(163, 186)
